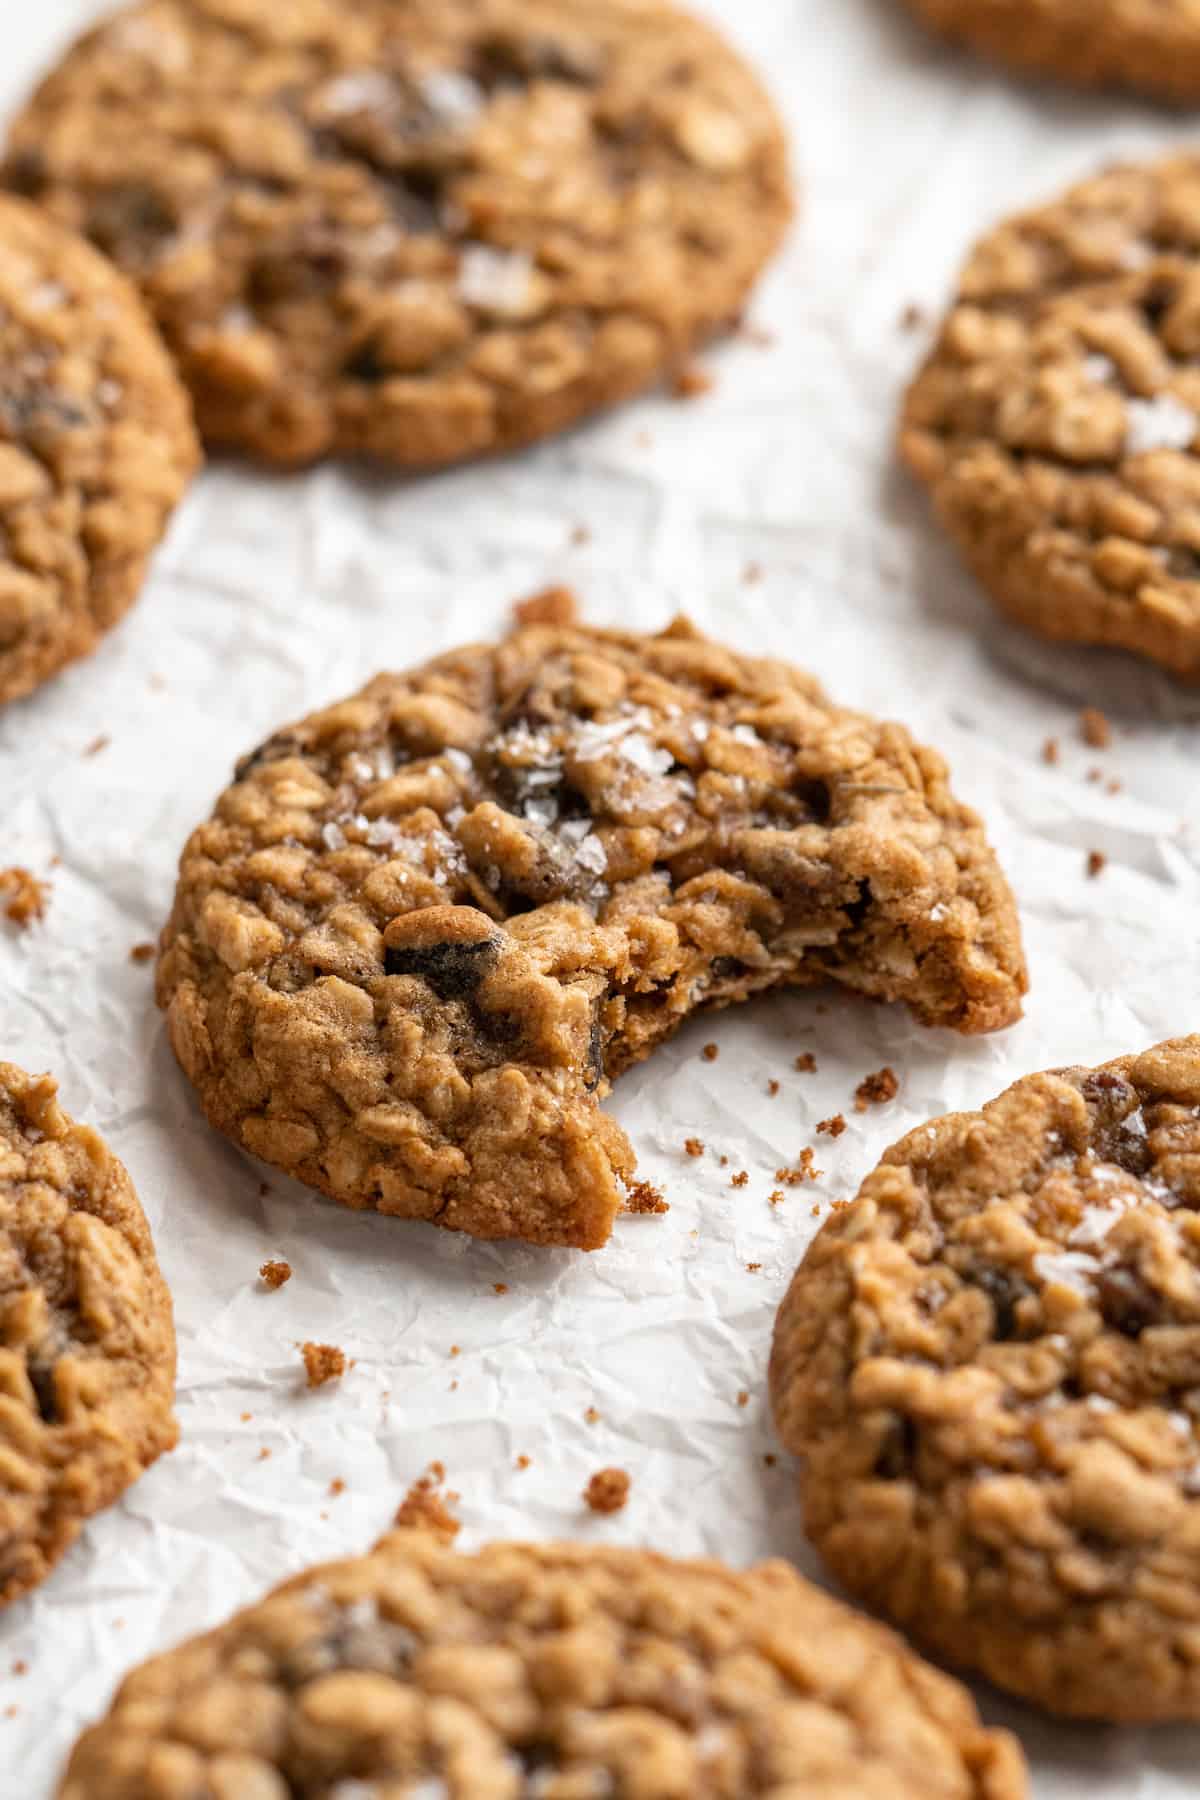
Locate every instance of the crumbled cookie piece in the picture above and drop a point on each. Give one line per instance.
(752, 574)
(142, 953)
(323, 1363)
(426, 928)
(25, 896)
(743, 1398)
(805, 1170)
(87, 1345)
(592, 1416)
(876, 1090)
(274, 1274)
(1094, 728)
(499, 1287)
(98, 744)
(553, 606)
(694, 1146)
(608, 1490)
(424, 1507)
(1097, 862)
(739, 1180)
(988, 1364)
(423, 236)
(776, 1197)
(912, 318)
(691, 382)
(753, 1268)
(805, 1063)
(772, 1088)
(644, 1197)
(565, 1669)
(710, 1052)
(524, 1462)
(833, 1127)
(337, 1486)
(1051, 752)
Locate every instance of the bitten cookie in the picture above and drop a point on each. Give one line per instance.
(1055, 422)
(422, 229)
(990, 1364)
(426, 927)
(555, 1672)
(87, 1346)
(1151, 45)
(96, 446)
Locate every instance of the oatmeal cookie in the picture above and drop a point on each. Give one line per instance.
(420, 229)
(96, 446)
(1055, 422)
(990, 1364)
(426, 927)
(554, 1671)
(1149, 45)
(87, 1347)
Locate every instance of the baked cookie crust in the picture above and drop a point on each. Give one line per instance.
(87, 1345)
(1055, 422)
(426, 927)
(1152, 46)
(419, 229)
(555, 1672)
(990, 1365)
(96, 447)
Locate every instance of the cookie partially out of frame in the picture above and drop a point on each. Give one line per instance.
(543, 1673)
(96, 446)
(1149, 45)
(1056, 420)
(426, 927)
(990, 1364)
(87, 1345)
(420, 229)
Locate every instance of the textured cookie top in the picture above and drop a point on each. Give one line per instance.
(96, 446)
(991, 1364)
(1152, 45)
(426, 925)
(420, 228)
(87, 1347)
(1056, 420)
(556, 1673)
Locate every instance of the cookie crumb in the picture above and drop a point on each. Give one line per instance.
(524, 1462)
(245, 1417)
(722, 1161)
(264, 1455)
(1094, 728)
(752, 574)
(98, 744)
(644, 1197)
(1113, 787)
(456, 1349)
(337, 1486)
(591, 1416)
(552, 606)
(607, 1491)
(264, 1188)
(769, 1459)
(1050, 751)
(1096, 863)
(753, 1268)
(877, 1089)
(772, 1088)
(499, 1287)
(743, 1397)
(804, 1171)
(694, 1146)
(833, 1127)
(776, 1197)
(805, 1063)
(580, 535)
(710, 1052)
(323, 1363)
(141, 953)
(27, 896)
(690, 382)
(739, 1180)
(274, 1274)
(1095, 775)
(20, 1667)
(912, 318)
(423, 1508)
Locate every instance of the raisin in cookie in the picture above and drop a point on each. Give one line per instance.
(1055, 422)
(426, 927)
(990, 1363)
(1151, 45)
(96, 446)
(87, 1347)
(422, 229)
(559, 1672)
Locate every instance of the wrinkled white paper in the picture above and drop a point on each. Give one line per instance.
(276, 595)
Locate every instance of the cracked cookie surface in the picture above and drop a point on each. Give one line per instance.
(1055, 422)
(419, 229)
(1149, 45)
(426, 927)
(990, 1363)
(87, 1346)
(96, 447)
(558, 1672)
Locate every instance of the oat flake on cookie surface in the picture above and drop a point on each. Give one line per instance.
(96, 447)
(1056, 422)
(420, 229)
(990, 1364)
(87, 1344)
(426, 927)
(557, 1672)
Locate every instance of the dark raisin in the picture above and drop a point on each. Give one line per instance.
(273, 749)
(1157, 300)
(41, 1379)
(814, 796)
(130, 219)
(416, 198)
(25, 172)
(364, 365)
(1127, 1302)
(512, 60)
(453, 971)
(1004, 1290)
(898, 1451)
(595, 1062)
(538, 1755)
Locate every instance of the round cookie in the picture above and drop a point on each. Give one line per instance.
(1151, 45)
(990, 1364)
(552, 1672)
(426, 927)
(96, 446)
(1055, 421)
(87, 1346)
(421, 229)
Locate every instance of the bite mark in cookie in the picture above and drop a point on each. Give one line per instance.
(426, 928)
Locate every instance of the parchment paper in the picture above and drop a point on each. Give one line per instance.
(273, 596)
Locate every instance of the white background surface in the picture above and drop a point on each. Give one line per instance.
(273, 596)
